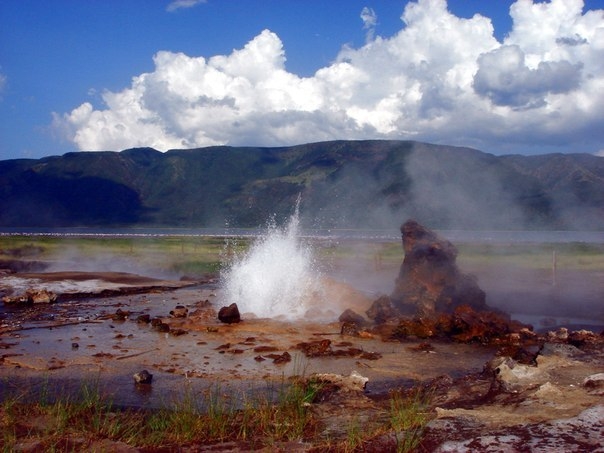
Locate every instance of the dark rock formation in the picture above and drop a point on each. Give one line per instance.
(429, 280)
(433, 299)
(230, 314)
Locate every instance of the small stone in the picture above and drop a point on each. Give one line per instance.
(178, 332)
(179, 311)
(594, 383)
(159, 325)
(162, 327)
(120, 315)
(143, 319)
(352, 383)
(350, 329)
(42, 296)
(280, 358)
(143, 377)
(559, 335)
(230, 314)
(315, 348)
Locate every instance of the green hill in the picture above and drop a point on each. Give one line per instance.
(345, 184)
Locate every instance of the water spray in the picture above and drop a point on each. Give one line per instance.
(277, 276)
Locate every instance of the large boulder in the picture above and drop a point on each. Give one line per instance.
(429, 280)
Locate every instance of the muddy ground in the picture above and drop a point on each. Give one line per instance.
(99, 330)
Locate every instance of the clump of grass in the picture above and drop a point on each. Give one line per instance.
(354, 435)
(211, 416)
(399, 427)
(280, 413)
(408, 417)
(216, 416)
(51, 423)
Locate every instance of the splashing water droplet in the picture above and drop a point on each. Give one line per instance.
(276, 277)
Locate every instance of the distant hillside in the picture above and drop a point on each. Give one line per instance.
(346, 184)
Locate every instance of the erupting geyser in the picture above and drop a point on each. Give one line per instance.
(276, 277)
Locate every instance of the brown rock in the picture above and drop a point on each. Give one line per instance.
(382, 311)
(315, 348)
(159, 325)
(143, 377)
(32, 296)
(415, 328)
(352, 383)
(429, 280)
(464, 325)
(350, 316)
(230, 314)
(120, 315)
(280, 358)
(177, 332)
(41, 296)
(470, 325)
(179, 311)
(143, 319)
(594, 383)
(349, 328)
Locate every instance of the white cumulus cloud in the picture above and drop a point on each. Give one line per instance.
(504, 77)
(440, 78)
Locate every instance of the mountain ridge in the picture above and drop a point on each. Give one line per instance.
(344, 184)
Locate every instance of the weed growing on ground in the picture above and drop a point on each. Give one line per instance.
(408, 417)
(210, 416)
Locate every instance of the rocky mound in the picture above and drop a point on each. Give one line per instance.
(433, 298)
(429, 280)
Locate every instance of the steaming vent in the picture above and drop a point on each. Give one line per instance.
(277, 276)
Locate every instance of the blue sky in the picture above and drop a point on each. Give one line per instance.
(501, 76)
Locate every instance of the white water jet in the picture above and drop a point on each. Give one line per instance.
(276, 277)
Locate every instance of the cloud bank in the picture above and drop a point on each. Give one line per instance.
(441, 78)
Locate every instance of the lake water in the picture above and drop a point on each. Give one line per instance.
(495, 237)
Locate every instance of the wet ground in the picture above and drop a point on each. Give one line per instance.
(81, 338)
(99, 332)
